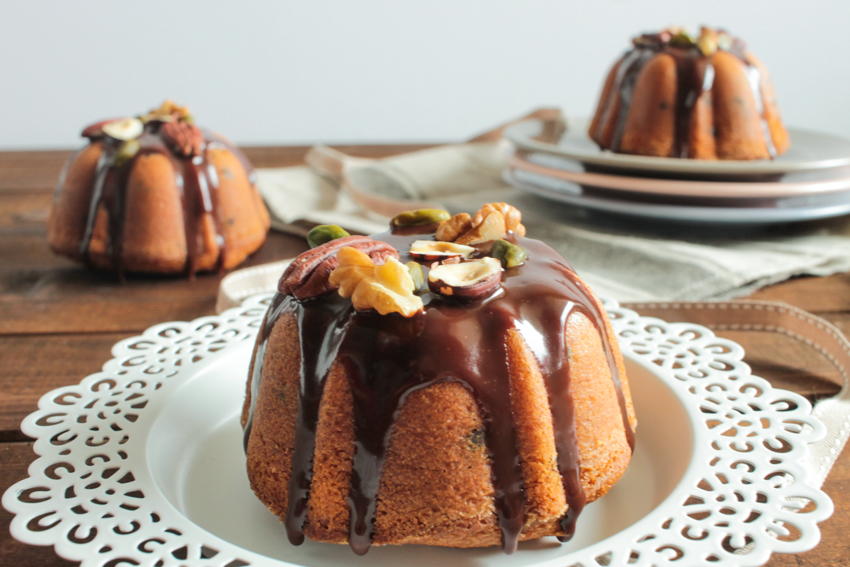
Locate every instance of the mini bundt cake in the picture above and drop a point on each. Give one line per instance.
(675, 96)
(469, 393)
(157, 194)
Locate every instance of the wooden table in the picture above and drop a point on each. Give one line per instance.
(58, 322)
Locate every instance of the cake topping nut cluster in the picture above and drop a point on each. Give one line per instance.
(492, 222)
(386, 288)
(177, 128)
(709, 41)
(308, 276)
(472, 280)
(464, 260)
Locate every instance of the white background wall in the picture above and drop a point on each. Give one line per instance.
(285, 72)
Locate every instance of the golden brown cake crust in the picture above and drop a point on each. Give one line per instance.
(67, 220)
(726, 109)
(144, 208)
(437, 485)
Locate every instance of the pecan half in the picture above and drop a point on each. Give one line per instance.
(309, 274)
(183, 138)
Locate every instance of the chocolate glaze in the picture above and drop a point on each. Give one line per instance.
(197, 179)
(386, 358)
(695, 77)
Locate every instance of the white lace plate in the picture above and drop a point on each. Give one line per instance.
(142, 463)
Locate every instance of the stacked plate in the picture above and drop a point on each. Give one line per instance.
(810, 181)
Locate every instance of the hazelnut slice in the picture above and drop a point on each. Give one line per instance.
(95, 130)
(124, 130)
(467, 281)
(707, 41)
(433, 250)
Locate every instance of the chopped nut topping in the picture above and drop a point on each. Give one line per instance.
(509, 254)
(466, 280)
(307, 276)
(124, 130)
(386, 288)
(419, 217)
(450, 230)
(434, 250)
(707, 41)
(513, 218)
(169, 111)
(492, 222)
(490, 227)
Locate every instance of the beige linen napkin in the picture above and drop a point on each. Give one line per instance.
(629, 260)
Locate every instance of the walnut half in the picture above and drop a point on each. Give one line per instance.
(386, 288)
(492, 222)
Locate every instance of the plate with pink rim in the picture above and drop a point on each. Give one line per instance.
(555, 167)
(809, 151)
(692, 210)
(142, 463)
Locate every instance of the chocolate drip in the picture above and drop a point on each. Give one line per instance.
(694, 76)
(102, 170)
(386, 358)
(625, 81)
(321, 328)
(196, 177)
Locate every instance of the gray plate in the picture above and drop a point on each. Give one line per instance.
(809, 151)
(778, 211)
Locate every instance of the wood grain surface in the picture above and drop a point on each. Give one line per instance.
(58, 322)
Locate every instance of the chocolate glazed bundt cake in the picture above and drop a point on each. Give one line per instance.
(469, 393)
(157, 194)
(675, 96)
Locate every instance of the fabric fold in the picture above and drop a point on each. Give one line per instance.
(625, 258)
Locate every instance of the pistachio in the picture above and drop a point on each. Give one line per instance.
(725, 41)
(325, 233)
(434, 250)
(416, 274)
(419, 217)
(125, 152)
(682, 39)
(124, 129)
(510, 255)
(467, 281)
